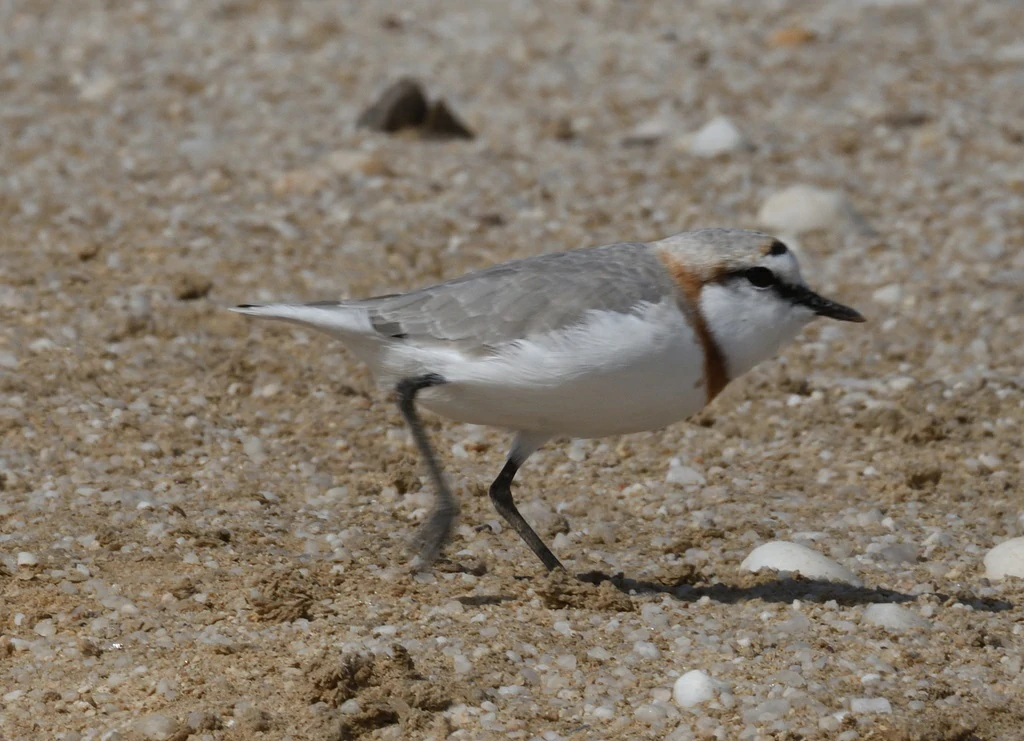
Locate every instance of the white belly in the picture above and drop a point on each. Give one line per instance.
(614, 374)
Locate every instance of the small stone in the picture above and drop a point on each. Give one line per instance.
(894, 617)
(899, 553)
(303, 182)
(791, 36)
(43, 344)
(646, 133)
(797, 623)
(684, 475)
(1010, 53)
(443, 123)
(348, 162)
(781, 555)
(156, 726)
(45, 628)
(253, 447)
(804, 208)
(868, 705)
(693, 688)
(8, 360)
(25, 558)
(650, 714)
(889, 295)
(1006, 559)
(717, 137)
(189, 286)
(646, 650)
(402, 105)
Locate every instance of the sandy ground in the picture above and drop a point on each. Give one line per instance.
(204, 521)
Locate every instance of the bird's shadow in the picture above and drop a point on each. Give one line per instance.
(783, 589)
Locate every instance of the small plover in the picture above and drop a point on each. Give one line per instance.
(586, 343)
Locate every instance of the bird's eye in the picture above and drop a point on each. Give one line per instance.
(760, 277)
(778, 248)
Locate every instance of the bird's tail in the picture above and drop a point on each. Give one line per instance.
(336, 318)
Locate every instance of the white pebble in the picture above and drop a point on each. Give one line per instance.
(1006, 559)
(693, 688)
(1013, 53)
(803, 208)
(647, 132)
(650, 714)
(27, 559)
(45, 628)
(350, 706)
(991, 462)
(894, 617)
(718, 136)
(865, 705)
(253, 448)
(156, 726)
(782, 555)
(683, 475)
(646, 650)
(888, 295)
(43, 344)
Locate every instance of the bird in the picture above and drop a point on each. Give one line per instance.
(585, 343)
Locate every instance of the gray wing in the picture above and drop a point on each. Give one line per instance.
(515, 300)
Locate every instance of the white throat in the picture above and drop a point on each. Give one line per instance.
(748, 328)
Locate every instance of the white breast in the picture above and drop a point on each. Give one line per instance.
(612, 374)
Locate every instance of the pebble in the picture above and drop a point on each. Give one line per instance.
(899, 553)
(43, 344)
(646, 650)
(646, 133)
(253, 448)
(45, 628)
(683, 475)
(404, 105)
(894, 617)
(1011, 53)
(803, 208)
(25, 558)
(791, 36)
(866, 705)
(782, 555)
(650, 714)
(717, 137)
(1006, 559)
(156, 726)
(889, 295)
(693, 688)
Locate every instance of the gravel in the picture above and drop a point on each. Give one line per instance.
(204, 523)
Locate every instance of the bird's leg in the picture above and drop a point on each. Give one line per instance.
(501, 496)
(438, 527)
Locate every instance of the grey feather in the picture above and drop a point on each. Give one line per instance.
(523, 298)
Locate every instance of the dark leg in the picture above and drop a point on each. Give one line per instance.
(438, 527)
(501, 495)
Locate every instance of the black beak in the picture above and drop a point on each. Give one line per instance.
(803, 296)
(822, 306)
